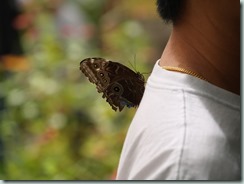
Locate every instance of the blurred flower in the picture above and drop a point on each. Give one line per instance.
(133, 29)
(42, 84)
(57, 120)
(16, 97)
(70, 19)
(30, 110)
(23, 21)
(15, 63)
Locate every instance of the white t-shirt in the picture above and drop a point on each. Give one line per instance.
(184, 129)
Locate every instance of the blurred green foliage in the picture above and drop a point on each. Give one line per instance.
(55, 126)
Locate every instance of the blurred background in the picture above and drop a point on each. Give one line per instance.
(53, 123)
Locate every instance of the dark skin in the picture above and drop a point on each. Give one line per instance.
(206, 40)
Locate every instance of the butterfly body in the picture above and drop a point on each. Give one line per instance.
(120, 85)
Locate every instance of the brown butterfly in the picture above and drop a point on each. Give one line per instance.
(120, 85)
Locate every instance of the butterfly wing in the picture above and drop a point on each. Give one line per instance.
(94, 70)
(120, 85)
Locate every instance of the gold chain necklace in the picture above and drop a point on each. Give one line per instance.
(182, 70)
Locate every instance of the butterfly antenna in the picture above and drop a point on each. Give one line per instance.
(131, 65)
(135, 62)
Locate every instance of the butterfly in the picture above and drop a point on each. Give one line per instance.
(120, 85)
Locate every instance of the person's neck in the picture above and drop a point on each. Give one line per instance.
(211, 50)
